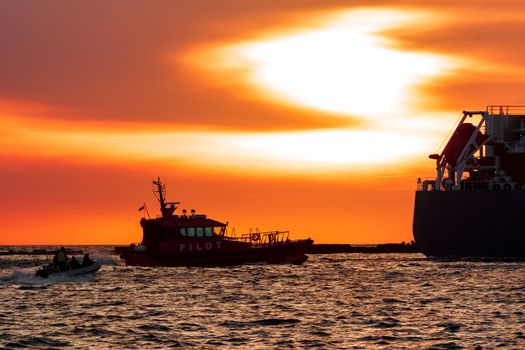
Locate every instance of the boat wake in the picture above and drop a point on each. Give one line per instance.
(20, 275)
(16, 273)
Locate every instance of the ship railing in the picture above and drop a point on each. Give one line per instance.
(515, 147)
(425, 185)
(475, 185)
(506, 109)
(465, 185)
(266, 238)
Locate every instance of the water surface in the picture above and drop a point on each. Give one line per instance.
(345, 301)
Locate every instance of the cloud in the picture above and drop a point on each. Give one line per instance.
(113, 61)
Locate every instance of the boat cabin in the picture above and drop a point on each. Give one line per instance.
(177, 228)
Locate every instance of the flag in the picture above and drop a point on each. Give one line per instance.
(142, 207)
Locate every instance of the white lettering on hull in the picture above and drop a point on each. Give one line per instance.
(199, 246)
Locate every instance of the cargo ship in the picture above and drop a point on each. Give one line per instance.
(191, 239)
(475, 206)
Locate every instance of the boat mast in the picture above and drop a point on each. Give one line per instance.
(160, 193)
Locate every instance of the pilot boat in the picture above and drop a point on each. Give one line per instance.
(193, 239)
(474, 206)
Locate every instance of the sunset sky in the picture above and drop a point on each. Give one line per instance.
(310, 116)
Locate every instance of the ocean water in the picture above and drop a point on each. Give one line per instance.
(343, 301)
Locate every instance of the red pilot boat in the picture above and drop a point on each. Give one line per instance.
(196, 240)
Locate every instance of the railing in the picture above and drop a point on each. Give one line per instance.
(515, 147)
(426, 185)
(475, 185)
(467, 185)
(506, 110)
(266, 238)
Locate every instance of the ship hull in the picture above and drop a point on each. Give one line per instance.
(287, 253)
(470, 223)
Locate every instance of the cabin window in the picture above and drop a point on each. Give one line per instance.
(200, 232)
(208, 231)
(183, 231)
(217, 230)
(191, 231)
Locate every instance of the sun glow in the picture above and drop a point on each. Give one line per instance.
(334, 147)
(290, 152)
(346, 66)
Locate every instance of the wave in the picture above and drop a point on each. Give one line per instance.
(18, 274)
(38, 342)
(27, 276)
(262, 322)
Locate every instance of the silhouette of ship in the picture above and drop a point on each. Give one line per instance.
(474, 206)
(196, 240)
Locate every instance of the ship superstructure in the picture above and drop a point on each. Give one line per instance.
(473, 206)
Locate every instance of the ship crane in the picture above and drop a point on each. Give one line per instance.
(482, 155)
(459, 152)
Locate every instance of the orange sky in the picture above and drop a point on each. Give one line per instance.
(310, 116)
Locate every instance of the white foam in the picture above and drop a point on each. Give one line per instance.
(19, 275)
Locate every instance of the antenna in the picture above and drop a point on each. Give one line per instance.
(166, 208)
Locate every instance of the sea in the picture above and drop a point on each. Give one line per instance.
(339, 301)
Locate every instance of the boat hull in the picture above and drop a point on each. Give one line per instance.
(91, 269)
(286, 253)
(470, 223)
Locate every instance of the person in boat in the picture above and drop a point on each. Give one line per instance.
(74, 264)
(62, 259)
(87, 260)
(55, 261)
(50, 268)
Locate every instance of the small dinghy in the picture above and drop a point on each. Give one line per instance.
(48, 271)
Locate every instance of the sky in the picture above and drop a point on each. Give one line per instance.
(315, 117)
